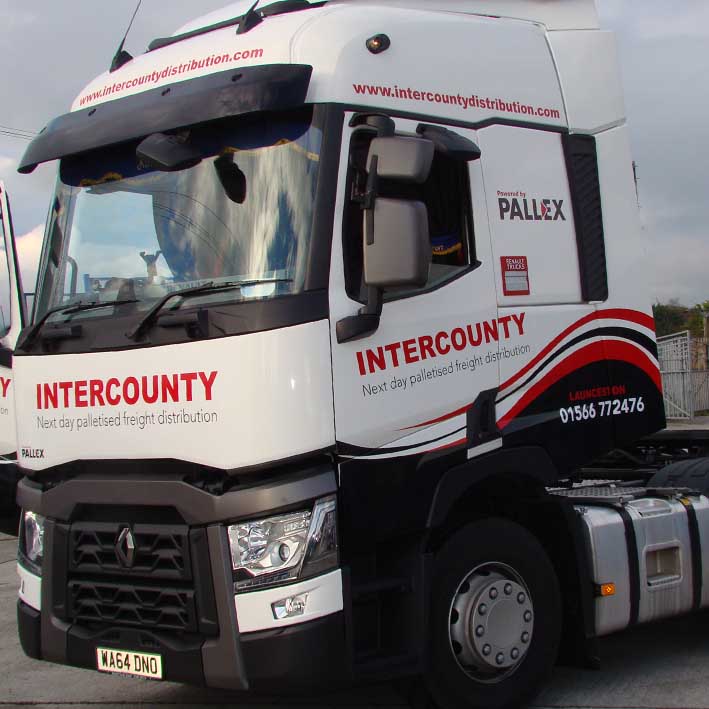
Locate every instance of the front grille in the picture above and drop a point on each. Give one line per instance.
(149, 607)
(161, 552)
(156, 589)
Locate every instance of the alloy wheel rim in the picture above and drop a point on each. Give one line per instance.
(491, 622)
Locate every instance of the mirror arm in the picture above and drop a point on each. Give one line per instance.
(372, 188)
(375, 301)
(449, 143)
(366, 321)
(382, 124)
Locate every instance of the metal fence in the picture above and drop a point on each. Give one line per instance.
(684, 363)
(700, 373)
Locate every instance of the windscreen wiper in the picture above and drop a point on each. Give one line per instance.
(210, 287)
(30, 335)
(150, 316)
(262, 281)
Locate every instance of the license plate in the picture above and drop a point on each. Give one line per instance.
(127, 662)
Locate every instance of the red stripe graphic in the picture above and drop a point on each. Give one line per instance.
(595, 352)
(634, 316)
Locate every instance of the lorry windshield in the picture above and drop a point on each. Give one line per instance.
(122, 231)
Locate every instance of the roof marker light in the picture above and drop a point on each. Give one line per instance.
(378, 44)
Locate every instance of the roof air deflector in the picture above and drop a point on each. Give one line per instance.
(270, 87)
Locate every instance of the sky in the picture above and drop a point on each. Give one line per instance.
(49, 50)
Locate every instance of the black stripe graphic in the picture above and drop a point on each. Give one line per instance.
(358, 451)
(625, 333)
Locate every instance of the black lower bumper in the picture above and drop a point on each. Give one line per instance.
(29, 628)
(304, 656)
(310, 655)
(186, 575)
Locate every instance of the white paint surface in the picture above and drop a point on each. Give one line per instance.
(254, 611)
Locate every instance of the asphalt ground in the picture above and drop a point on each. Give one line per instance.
(663, 666)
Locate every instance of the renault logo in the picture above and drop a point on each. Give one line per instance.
(125, 548)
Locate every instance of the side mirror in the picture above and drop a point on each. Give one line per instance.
(401, 158)
(396, 246)
(167, 153)
(397, 251)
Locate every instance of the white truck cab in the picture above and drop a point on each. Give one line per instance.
(333, 297)
(12, 320)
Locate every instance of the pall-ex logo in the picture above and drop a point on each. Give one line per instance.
(33, 453)
(531, 210)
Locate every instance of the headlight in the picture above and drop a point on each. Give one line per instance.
(32, 539)
(279, 549)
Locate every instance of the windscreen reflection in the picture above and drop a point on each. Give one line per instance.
(120, 230)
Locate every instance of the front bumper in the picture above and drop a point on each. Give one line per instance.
(311, 654)
(216, 651)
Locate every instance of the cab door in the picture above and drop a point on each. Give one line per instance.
(12, 320)
(408, 388)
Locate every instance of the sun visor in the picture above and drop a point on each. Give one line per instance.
(228, 93)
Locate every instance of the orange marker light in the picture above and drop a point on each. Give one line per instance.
(607, 589)
(378, 44)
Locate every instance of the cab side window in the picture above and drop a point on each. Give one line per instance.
(446, 194)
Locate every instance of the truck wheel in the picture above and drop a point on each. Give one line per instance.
(496, 618)
(692, 473)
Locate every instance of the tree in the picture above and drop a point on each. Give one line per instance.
(670, 317)
(674, 317)
(702, 309)
(695, 321)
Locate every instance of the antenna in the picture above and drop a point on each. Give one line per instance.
(635, 178)
(122, 57)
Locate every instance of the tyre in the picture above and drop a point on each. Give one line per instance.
(692, 473)
(495, 620)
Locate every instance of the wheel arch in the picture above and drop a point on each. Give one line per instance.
(527, 469)
(511, 484)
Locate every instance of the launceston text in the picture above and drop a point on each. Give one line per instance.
(441, 344)
(598, 392)
(150, 389)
